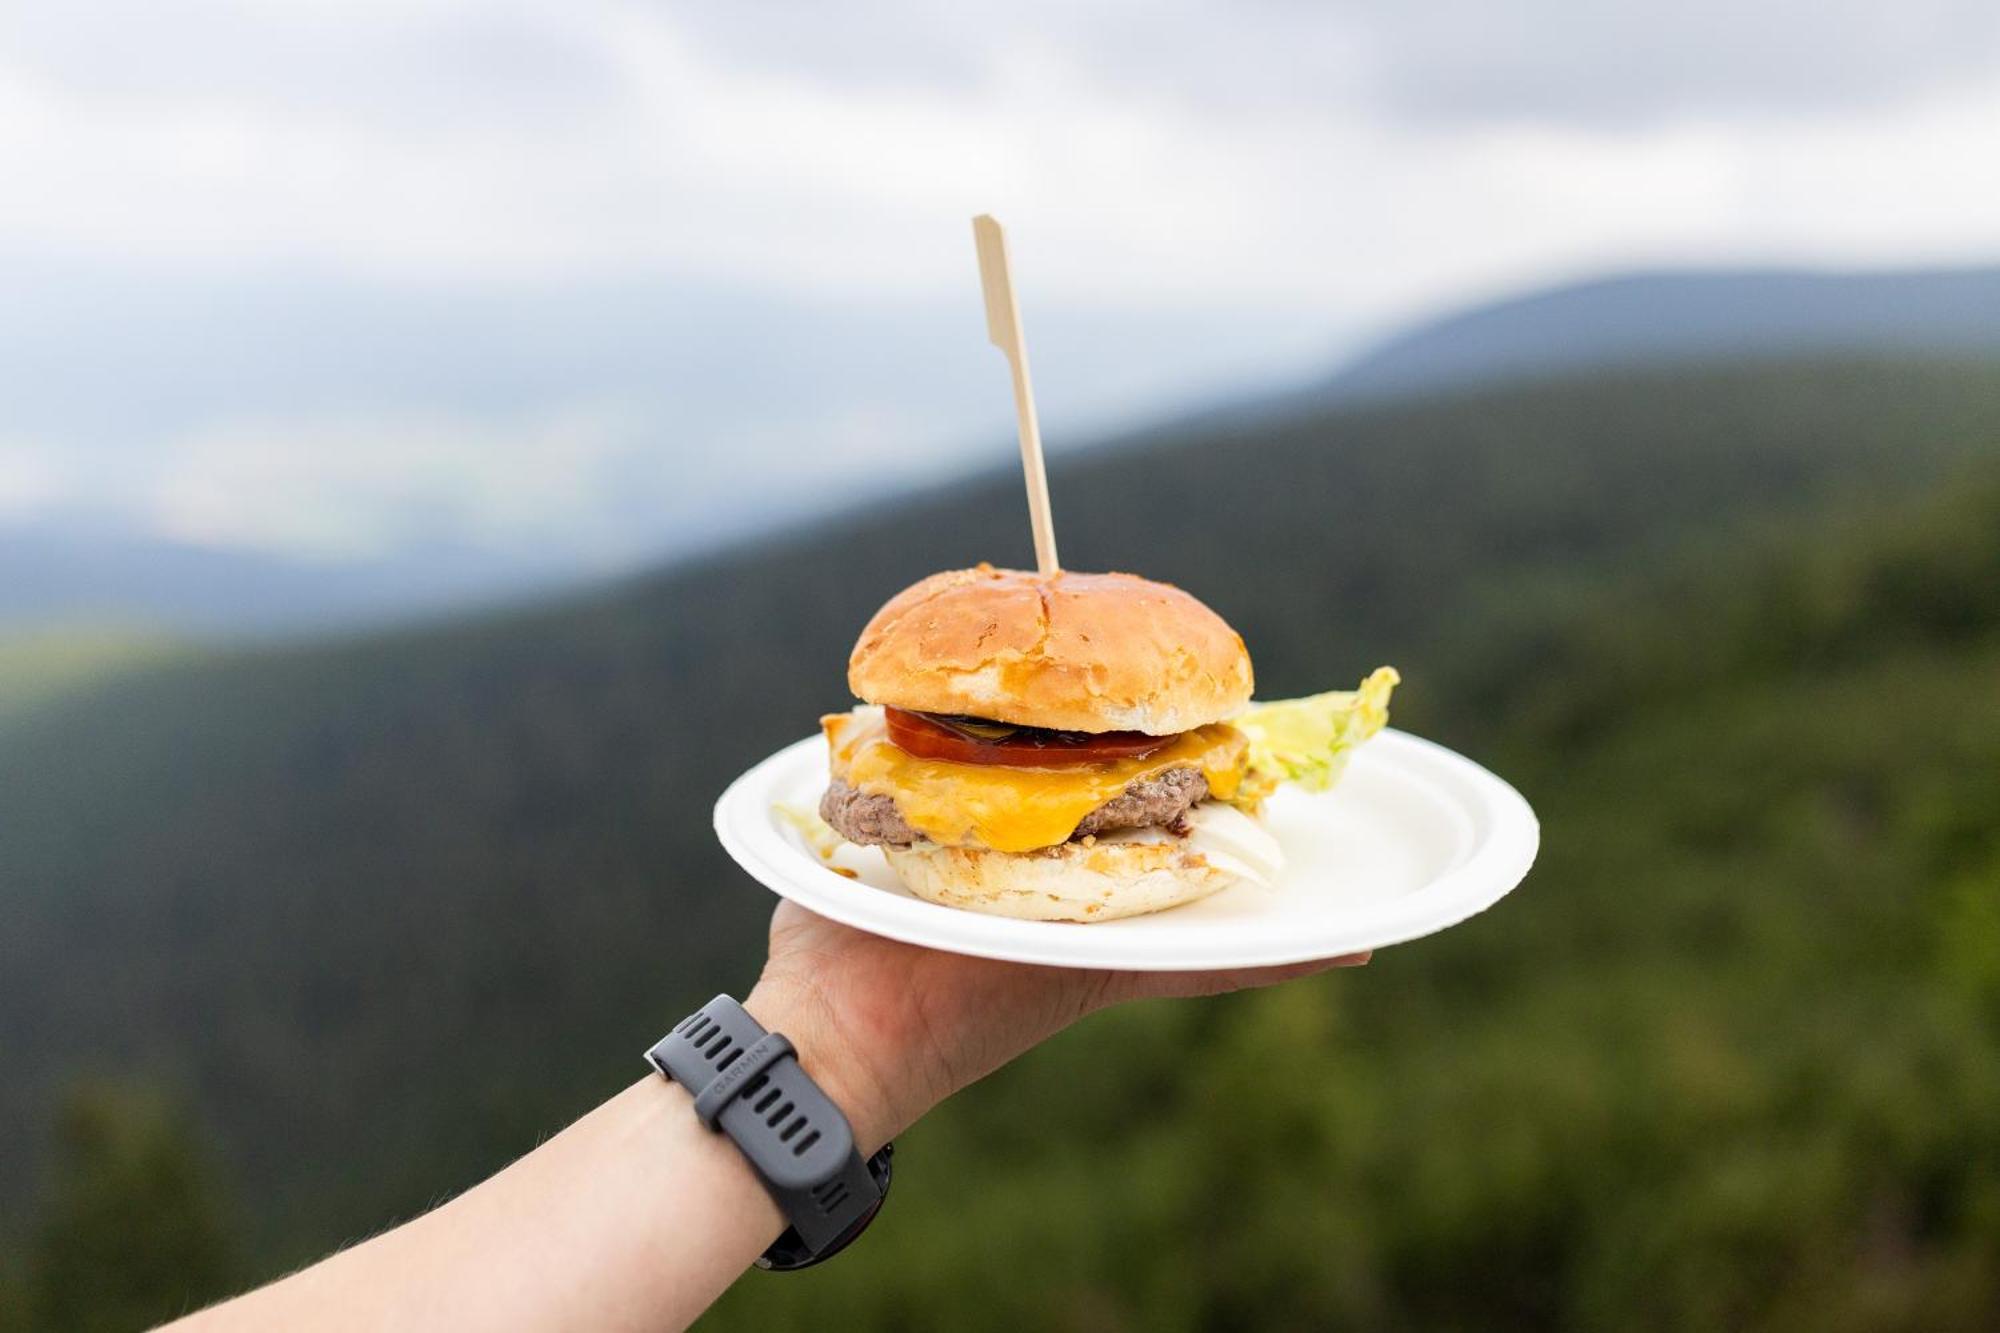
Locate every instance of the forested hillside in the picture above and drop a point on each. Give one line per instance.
(1729, 1057)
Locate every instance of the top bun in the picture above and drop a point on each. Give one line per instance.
(1075, 652)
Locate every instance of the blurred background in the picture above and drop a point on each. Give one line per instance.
(442, 443)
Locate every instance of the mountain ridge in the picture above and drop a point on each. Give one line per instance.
(1661, 316)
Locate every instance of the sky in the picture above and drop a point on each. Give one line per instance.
(580, 282)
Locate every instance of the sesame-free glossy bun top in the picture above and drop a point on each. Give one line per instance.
(1076, 652)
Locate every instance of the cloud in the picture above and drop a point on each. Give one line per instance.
(1607, 65)
(30, 481)
(342, 488)
(601, 270)
(526, 63)
(1361, 158)
(1567, 62)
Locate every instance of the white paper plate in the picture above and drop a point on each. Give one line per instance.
(1413, 838)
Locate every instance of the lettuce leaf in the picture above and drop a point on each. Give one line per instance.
(1307, 740)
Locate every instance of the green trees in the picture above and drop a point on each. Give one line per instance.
(1730, 1058)
(132, 1229)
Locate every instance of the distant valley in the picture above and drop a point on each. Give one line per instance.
(91, 575)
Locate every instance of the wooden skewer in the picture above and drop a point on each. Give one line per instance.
(1003, 326)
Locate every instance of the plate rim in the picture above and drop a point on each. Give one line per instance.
(1507, 841)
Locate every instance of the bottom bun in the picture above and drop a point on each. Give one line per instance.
(1112, 877)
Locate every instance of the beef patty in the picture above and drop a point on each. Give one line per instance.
(1162, 799)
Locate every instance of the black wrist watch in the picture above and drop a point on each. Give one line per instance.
(749, 1084)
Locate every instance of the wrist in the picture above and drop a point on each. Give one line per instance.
(867, 1083)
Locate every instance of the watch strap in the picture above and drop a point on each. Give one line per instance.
(749, 1084)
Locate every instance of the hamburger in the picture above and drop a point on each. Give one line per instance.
(1075, 747)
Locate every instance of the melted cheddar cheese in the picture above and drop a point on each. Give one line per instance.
(1006, 808)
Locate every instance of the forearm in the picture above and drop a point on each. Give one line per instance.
(634, 1217)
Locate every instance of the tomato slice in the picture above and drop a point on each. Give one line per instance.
(976, 741)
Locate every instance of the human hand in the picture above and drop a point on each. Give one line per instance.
(890, 1029)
